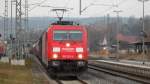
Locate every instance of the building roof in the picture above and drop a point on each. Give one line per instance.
(127, 38)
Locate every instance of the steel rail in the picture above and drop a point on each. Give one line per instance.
(82, 82)
(119, 71)
(79, 81)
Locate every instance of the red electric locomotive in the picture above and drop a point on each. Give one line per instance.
(63, 48)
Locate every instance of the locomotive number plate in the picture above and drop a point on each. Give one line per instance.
(67, 56)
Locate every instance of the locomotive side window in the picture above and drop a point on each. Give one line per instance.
(67, 35)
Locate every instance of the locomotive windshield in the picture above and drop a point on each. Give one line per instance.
(67, 35)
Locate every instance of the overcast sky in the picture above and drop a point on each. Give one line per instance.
(129, 8)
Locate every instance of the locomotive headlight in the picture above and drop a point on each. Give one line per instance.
(55, 56)
(56, 49)
(79, 49)
(80, 56)
(68, 44)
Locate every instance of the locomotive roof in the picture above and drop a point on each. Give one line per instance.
(67, 27)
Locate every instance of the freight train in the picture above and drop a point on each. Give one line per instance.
(63, 49)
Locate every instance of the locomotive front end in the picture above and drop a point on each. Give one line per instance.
(69, 50)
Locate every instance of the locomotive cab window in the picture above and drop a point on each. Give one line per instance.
(67, 35)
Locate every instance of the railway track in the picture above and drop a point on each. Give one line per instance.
(140, 74)
(98, 66)
(57, 80)
(77, 81)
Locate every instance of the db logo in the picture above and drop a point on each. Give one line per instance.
(68, 49)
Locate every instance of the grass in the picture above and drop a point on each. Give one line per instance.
(19, 74)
